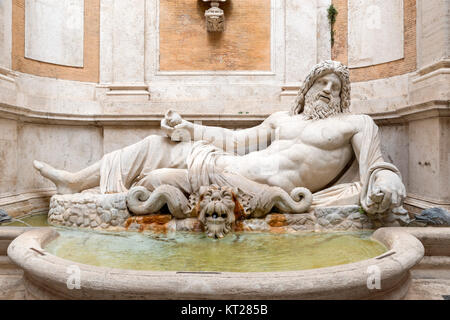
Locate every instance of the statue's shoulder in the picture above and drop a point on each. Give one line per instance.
(357, 117)
(359, 121)
(275, 117)
(278, 115)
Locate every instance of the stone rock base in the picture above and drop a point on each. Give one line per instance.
(109, 212)
(89, 210)
(341, 218)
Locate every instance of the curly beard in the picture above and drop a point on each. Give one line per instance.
(316, 109)
(217, 227)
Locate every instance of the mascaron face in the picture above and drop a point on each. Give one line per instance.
(217, 210)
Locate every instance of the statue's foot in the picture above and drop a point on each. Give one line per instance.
(62, 179)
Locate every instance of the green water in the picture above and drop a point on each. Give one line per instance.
(239, 252)
(32, 220)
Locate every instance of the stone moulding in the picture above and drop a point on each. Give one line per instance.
(434, 108)
(45, 276)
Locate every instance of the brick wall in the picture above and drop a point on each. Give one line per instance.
(185, 44)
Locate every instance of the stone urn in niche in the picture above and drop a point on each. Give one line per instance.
(215, 18)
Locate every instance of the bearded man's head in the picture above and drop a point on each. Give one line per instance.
(325, 92)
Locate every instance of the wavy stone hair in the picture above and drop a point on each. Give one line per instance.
(323, 68)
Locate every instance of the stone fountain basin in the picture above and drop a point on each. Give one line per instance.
(45, 276)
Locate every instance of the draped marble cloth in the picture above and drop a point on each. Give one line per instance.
(131, 166)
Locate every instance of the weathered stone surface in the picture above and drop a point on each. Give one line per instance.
(344, 217)
(88, 210)
(91, 210)
(434, 217)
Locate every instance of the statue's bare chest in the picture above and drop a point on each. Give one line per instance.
(327, 134)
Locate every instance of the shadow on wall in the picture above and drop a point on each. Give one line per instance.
(227, 7)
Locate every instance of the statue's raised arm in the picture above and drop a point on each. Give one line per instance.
(235, 141)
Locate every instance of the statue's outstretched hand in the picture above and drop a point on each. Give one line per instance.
(176, 128)
(388, 191)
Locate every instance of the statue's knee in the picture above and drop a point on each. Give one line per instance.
(151, 181)
(155, 139)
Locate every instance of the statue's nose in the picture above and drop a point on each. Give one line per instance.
(215, 196)
(327, 88)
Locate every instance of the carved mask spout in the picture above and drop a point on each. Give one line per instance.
(217, 205)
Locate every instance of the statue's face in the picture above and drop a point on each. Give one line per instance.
(217, 210)
(323, 98)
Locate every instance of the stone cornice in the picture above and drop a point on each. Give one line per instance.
(425, 202)
(7, 74)
(444, 63)
(431, 109)
(32, 116)
(9, 198)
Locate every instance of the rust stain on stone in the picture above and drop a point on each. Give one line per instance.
(278, 230)
(239, 226)
(153, 222)
(154, 218)
(277, 220)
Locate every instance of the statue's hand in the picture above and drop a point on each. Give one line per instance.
(387, 191)
(176, 128)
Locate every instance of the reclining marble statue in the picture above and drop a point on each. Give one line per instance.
(317, 147)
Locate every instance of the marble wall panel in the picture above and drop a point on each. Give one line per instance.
(8, 155)
(54, 31)
(375, 32)
(5, 33)
(67, 147)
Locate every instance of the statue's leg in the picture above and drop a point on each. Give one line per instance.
(116, 171)
(174, 177)
(123, 168)
(68, 182)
